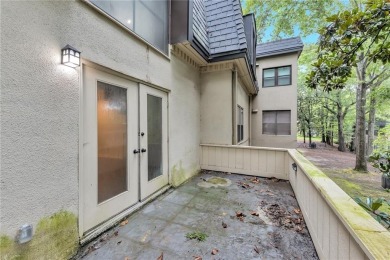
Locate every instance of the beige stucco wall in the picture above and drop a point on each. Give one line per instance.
(184, 121)
(275, 98)
(40, 102)
(242, 99)
(216, 107)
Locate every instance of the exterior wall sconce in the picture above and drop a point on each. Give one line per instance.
(294, 167)
(25, 233)
(70, 56)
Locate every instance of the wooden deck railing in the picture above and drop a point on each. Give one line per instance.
(340, 229)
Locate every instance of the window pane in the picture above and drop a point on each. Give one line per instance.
(269, 82)
(269, 117)
(120, 10)
(151, 22)
(283, 123)
(284, 71)
(269, 122)
(284, 129)
(283, 116)
(269, 128)
(284, 80)
(154, 115)
(269, 73)
(112, 140)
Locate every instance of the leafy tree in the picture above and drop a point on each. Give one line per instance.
(355, 38)
(287, 15)
(342, 101)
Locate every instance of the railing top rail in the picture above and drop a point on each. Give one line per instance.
(372, 237)
(246, 147)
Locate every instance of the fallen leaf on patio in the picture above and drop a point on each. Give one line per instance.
(254, 213)
(274, 179)
(161, 257)
(119, 242)
(124, 222)
(104, 237)
(224, 225)
(116, 233)
(257, 250)
(297, 211)
(197, 258)
(244, 185)
(203, 179)
(127, 258)
(240, 214)
(298, 229)
(255, 181)
(214, 251)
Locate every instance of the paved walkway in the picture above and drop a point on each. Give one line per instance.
(252, 218)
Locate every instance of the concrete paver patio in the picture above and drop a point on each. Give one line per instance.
(262, 220)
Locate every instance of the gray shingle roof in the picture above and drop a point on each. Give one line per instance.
(218, 25)
(279, 47)
(199, 24)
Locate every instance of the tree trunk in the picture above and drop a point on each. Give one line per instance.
(360, 130)
(304, 135)
(360, 136)
(340, 124)
(371, 125)
(309, 135)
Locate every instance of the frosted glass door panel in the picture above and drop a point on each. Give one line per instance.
(154, 111)
(112, 140)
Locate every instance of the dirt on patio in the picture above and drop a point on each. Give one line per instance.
(213, 216)
(339, 167)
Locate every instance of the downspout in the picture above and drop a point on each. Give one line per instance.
(234, 106)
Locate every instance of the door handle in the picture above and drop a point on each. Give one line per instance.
(136, 151)
(143, 150)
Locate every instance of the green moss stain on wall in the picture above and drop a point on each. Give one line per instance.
(56, 237)
(180, 175)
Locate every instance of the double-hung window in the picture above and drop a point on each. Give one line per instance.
(240, 124)
(277, 122)
(280, 76)
(147, 18)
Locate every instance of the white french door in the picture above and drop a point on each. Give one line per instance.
(154, 149)
(124, 144)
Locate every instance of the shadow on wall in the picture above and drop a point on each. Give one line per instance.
(56, 237)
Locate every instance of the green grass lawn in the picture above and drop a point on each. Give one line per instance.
(313, 139)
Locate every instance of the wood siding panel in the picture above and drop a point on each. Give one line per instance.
(254, 161)
(232, 159)
(279, 162)
(247, 160)
(355, 252)
(263, 161)
(343, 239)
(239, 159)
(271, 161)
(225, 157)
(325, 233)
(205, 156)
(212, 157)
(333, 236)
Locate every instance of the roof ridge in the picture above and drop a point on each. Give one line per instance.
(285, 39)
(282, 46)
